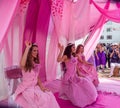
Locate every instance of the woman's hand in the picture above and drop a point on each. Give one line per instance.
(61, 47)
(28, 44)
(44, 89)
(81, 75)
(90, 64)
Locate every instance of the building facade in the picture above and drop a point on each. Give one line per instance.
(111, 33)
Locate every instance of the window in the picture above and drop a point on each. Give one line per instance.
(109, 36)
(102, 37)
(108, 30)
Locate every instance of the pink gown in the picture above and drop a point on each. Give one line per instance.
(88, 71)
(79, 90)
(29, 95)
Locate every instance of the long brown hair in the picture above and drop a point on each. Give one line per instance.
(29, 65)
(68, 50)
(78, 47)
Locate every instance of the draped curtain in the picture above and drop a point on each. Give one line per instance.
(11, 33)
(113, 15)
(67, 27)
(71, 21)
(107, 14)
(68, 22)
(36, 29)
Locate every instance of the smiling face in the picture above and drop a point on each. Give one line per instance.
(73, 49)
(81, 49)
(34, 52)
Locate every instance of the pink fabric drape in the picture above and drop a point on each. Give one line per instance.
(70, 20)
(54, 31)
(8, 10)
(41, 34)
(31, 21)
(36, 28)
(12, 31)
(94, 38)
(95, 35)
(67, 17)
(13, 43)
(79, 22)
(113, 15)
(51, 61)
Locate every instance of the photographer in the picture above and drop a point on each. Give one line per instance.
(114, 58)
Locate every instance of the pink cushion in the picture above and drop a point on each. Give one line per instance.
(13, 72)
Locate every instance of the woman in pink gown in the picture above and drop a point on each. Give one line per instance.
(31, 93)
(87, 69)
(79, 90)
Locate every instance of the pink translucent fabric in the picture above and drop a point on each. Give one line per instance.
(31, 21)
(65, 29)
(8, 10)
(11, 36)
(69, 22)
(94, 38)
(42, 33)
(36, 29)
(113, 15)
(95, 35)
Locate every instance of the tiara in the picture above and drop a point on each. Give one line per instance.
(69, 44)
(34, 44)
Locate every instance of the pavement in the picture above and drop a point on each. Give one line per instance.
(105, 74)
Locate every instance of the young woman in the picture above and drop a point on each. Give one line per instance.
(87, 69)
(31, 93)
(100, 57)
(79, 90)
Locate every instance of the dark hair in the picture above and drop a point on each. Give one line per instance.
(29, 65)
(78, 47)
(63, 67)
(115, 1)
(68, 50)
(7, 106)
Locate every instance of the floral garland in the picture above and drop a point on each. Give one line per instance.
(24, 1)
(57, 7)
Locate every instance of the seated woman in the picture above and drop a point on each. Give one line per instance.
(31, 93)
(86, 68)
(79, 90)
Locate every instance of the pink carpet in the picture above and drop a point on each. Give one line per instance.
(104, 101)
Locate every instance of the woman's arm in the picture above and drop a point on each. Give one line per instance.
(111, 54)
(83, 61)
(79, 58)
(61, 58)
(96, 54)
(88, 63)
(41, 86)
(78, 71)
(24, 57)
